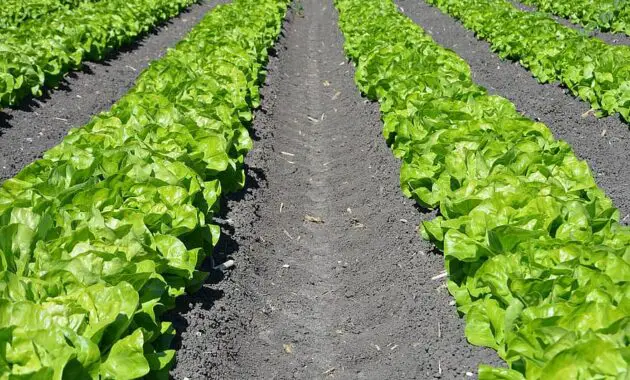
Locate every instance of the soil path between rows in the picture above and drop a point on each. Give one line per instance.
(604, 143)
(40, 124)
(331, 279)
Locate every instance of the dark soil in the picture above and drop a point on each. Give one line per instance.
(603, 143)
(609, 38)
(331, 276)
(40, 124)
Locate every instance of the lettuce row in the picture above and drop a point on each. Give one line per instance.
(536, 258)
(40, 52)
(15, 12)
(606, 15)
(596, 72)
(100, 236)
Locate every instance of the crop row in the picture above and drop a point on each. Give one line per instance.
(39, 52)
(100, 236)
(15, 12)
(536, 258)
(606, 15)
(591, 69)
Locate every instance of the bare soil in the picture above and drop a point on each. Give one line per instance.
(331, 277)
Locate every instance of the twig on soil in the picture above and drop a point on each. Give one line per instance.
(439, 276)
(312, 119)
(289, 235)
(226, 265)
(589, 112)
(330, 371)
(60, 118)
(227, 221)
(132, 68)
(281, 206)
(336, 95)
(439, 330)
(440, 367)
(288, 154)
(313, 219)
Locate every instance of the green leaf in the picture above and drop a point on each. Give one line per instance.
(126, 359)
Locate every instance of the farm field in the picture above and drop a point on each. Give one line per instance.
(352, 189)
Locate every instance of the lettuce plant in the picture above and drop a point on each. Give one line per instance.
(15, 12)
(606, 15)
(40, 52)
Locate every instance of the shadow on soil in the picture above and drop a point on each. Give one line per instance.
(227, 246)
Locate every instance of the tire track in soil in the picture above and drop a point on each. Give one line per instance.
(604, 143)
(39, 124)
(347, 294)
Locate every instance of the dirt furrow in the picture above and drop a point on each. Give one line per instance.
(603, 143)
(28, 131)
(331, 277)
